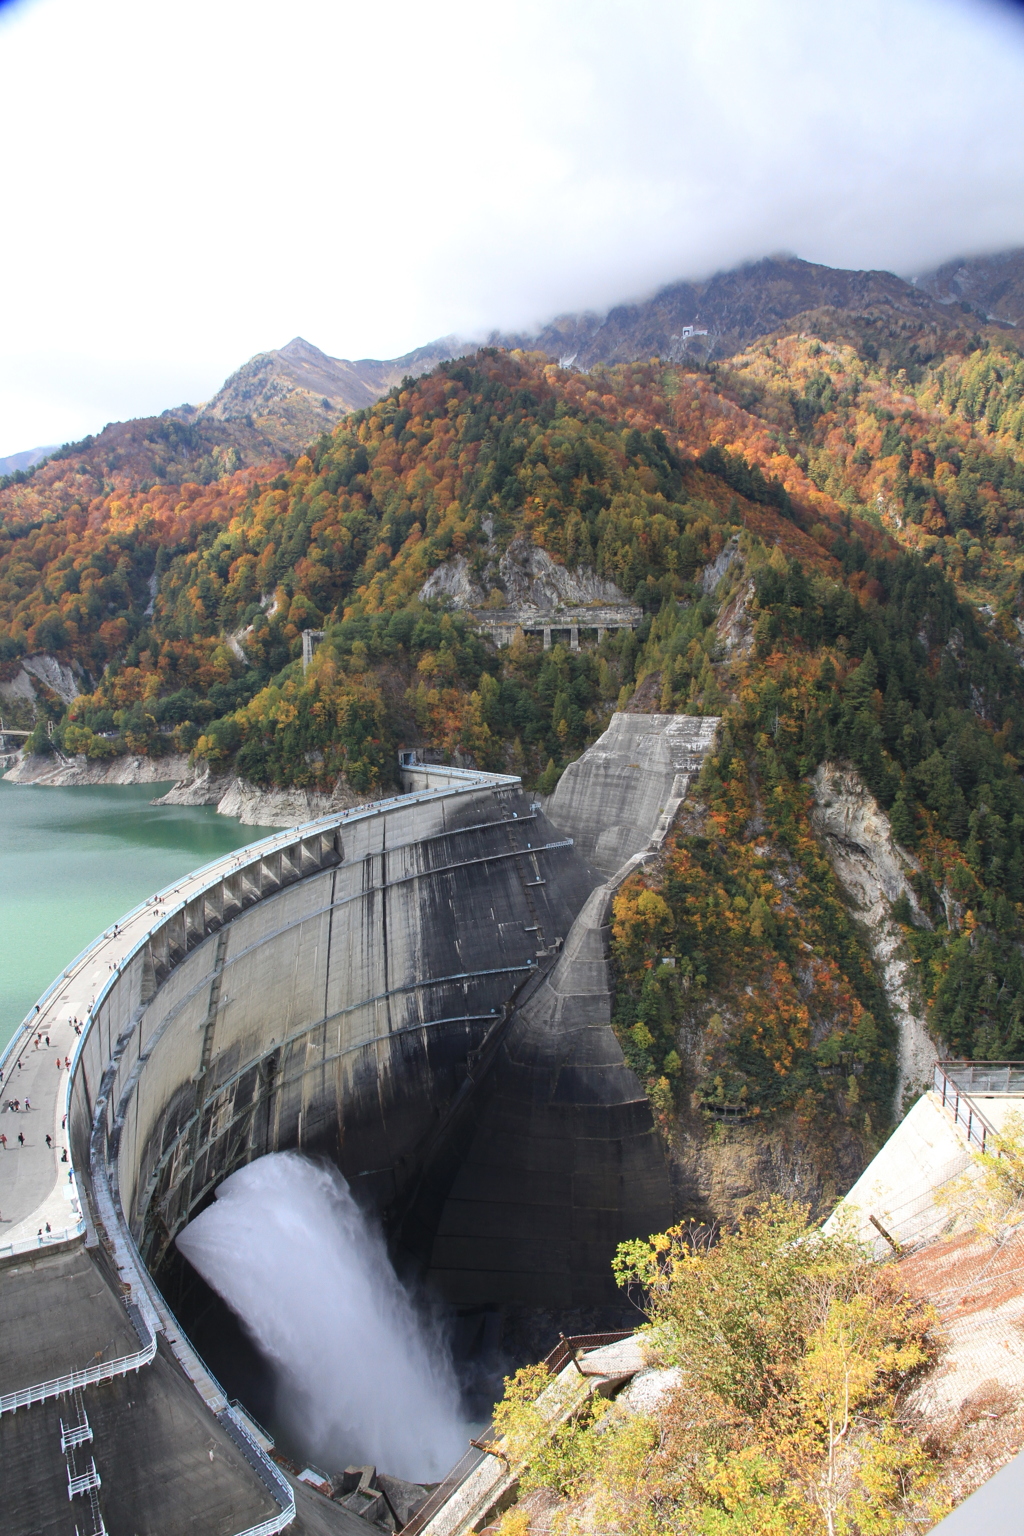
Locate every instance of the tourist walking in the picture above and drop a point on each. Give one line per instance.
(49, 1139)
(3, 1141)
(21, 1138)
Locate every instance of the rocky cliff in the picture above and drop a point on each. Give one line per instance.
(256, 807)
(873, 873)
(526, 577)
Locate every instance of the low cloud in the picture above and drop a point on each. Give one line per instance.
(182, 197)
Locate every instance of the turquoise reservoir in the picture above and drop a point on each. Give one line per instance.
(74, 860)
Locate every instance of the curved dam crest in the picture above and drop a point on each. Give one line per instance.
(418, 991)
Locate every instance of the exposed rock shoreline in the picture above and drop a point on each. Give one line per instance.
(251, 805)
(256, 807)
(62, 772)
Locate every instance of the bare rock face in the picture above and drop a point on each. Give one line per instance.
(533, 580)
(256, 807)
(530, 579)
(454, 580)
(713, 573)
(873, 872)
(723, 1171)
(66, 772)
(42, 668)
(197, 786)
(734, 626)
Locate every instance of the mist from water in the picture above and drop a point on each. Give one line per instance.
(361, 1376)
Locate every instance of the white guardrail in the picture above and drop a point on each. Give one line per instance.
(106, 1370)
(47, 1240)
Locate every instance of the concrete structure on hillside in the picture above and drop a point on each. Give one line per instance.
(628, 785)
(501, 623)
(898, 1202)
(379, 987)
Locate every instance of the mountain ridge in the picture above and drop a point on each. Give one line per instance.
(278, 402)
(295, 392)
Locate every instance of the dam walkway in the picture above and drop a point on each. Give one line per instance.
(40, 1202)
(41, 1205)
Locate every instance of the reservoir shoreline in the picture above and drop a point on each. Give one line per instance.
(74, 859)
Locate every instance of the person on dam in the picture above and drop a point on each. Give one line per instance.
(3, 1141)
(21, 1138)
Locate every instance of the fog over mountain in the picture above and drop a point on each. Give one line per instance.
(280, 401)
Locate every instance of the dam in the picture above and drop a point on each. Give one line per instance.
(418, 991)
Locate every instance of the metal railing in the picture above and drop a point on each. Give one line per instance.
(106, 1370)
(958, 1103)
(462, 1470)
(45, 1240)
(567, 1349)
(82, 1482)
(564, 1351)
(1003, 1077)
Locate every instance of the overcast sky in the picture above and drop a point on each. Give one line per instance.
(185, 185)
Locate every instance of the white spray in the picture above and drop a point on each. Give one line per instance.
(361, 1377)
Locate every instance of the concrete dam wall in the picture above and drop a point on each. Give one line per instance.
(417, 990)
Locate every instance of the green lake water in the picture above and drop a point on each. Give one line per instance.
(74, 860)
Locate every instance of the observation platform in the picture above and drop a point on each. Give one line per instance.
(897, 1203)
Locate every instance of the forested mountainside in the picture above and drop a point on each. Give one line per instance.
(823, 536)
(273, 405)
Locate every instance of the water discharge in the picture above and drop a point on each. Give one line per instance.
(361, 1376)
